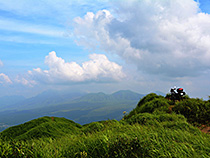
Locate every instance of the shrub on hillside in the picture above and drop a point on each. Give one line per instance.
(148, 98)
(154, 104)
(152, 119)
(93, 127)
(41, 127)
(149, 104)
(195, 110)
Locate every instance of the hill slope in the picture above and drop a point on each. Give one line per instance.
(150, 130)
(42, 127)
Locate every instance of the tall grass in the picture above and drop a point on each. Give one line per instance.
(117, 139)
(148, 131)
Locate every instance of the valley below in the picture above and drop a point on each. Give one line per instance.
(79, 107)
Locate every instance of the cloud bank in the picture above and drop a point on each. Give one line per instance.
(97, 69)
(4, 79)
(169, 38)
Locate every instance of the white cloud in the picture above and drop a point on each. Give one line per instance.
(25, 82)
(170, 38)
(44, 17)
(4, 79)
(98, 69)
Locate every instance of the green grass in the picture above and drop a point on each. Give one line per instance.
(117, 139)
(41, 127)
(148, 131)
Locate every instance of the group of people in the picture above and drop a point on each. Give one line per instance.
(177, 93)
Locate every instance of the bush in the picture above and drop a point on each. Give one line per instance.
(195, 110)
(150, 103)
(152, 119)
(149, 98)
(93, 127)
(151, 106)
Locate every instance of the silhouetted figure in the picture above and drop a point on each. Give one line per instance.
(177, 94)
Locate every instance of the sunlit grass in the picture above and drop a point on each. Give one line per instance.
(154, 134)
(116, 139)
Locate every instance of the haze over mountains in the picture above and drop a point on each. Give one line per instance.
(6, 101)
(43, 99)
(79, 107)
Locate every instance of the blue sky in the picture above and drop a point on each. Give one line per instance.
(104, 45)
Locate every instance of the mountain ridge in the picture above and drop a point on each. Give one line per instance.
(43, 99)
(88, 108)
(122, 95)
(9, 100)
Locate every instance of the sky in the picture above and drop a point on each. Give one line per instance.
(104, 46)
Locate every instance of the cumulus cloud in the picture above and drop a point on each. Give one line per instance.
(170, 38)
(4, 79)
(26, 81)
(98, 69)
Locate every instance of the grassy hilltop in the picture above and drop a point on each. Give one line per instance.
(157, 127)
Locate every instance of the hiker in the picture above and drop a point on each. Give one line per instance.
(181, 93)
(173, 93)
(177, 94)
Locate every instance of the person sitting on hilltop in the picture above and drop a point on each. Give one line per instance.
(177, 94)
(180, 91)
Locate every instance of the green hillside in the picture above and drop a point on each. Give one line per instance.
(42, 127)
(157, 127)
(197, 111)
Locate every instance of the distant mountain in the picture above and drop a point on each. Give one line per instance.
(6, 101)
(119, 96)
(94, 97)
(85, 109)
(46, 98)
(126, 95)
